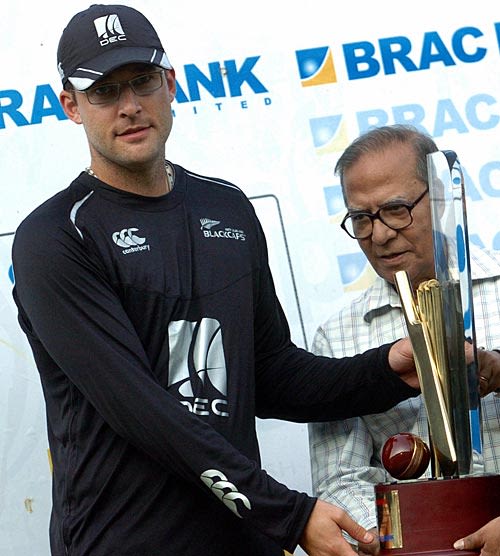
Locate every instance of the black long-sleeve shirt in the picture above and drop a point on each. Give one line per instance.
(158, 336)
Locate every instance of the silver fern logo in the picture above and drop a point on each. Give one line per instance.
(208, 223)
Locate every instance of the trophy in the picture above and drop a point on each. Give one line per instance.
(428, 515)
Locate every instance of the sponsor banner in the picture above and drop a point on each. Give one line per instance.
(267, 102)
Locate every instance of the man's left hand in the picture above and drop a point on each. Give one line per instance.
(486, 540)
(489, 371)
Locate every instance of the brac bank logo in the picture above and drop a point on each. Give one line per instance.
(329, 134)
(316, 66)
(356, 273)
(334, 200)
(222, 80)
(397, 54)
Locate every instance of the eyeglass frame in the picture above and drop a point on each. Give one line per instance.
(376, 215)
(128, 82)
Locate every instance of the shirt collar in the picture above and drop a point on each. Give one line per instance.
(382, 296)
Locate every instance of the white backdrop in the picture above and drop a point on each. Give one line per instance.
(269, 95)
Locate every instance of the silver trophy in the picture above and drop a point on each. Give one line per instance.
(425, 516)
(440, 320)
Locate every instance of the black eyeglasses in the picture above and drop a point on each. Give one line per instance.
(142, 85)
(397, 216)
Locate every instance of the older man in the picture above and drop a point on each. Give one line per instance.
(384, 182)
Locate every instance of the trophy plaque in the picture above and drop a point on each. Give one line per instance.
(428, 516)
(417, 516)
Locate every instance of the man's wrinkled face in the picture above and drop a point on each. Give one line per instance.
(389, 176)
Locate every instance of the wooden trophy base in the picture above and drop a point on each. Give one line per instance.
(428, 516)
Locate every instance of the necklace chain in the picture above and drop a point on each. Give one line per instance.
(168, 169)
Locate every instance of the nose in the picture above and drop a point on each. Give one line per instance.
(381, 233)
(128, 101)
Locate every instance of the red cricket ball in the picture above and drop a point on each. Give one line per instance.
(405, 456)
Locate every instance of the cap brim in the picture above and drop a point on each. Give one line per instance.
(85, 76)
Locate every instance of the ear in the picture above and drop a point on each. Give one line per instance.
(171, 84)
(70, 106)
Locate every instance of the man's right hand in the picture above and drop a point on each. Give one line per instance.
(322, 535)
(402, 363)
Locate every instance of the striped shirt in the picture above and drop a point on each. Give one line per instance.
(346, 455)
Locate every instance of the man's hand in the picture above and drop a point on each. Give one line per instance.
(322, 535)
(489, 371)
(486, 539)
(372, 548)
(401, 362)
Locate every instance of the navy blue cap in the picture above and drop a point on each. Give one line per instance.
(103, 38)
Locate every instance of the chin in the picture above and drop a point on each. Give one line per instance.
(387, 275)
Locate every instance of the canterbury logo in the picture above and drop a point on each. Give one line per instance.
(109, 29)
(217, 482)
(207, 224)
(128, 238)
(197, 372)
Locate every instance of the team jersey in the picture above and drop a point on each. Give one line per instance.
(158, 336)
